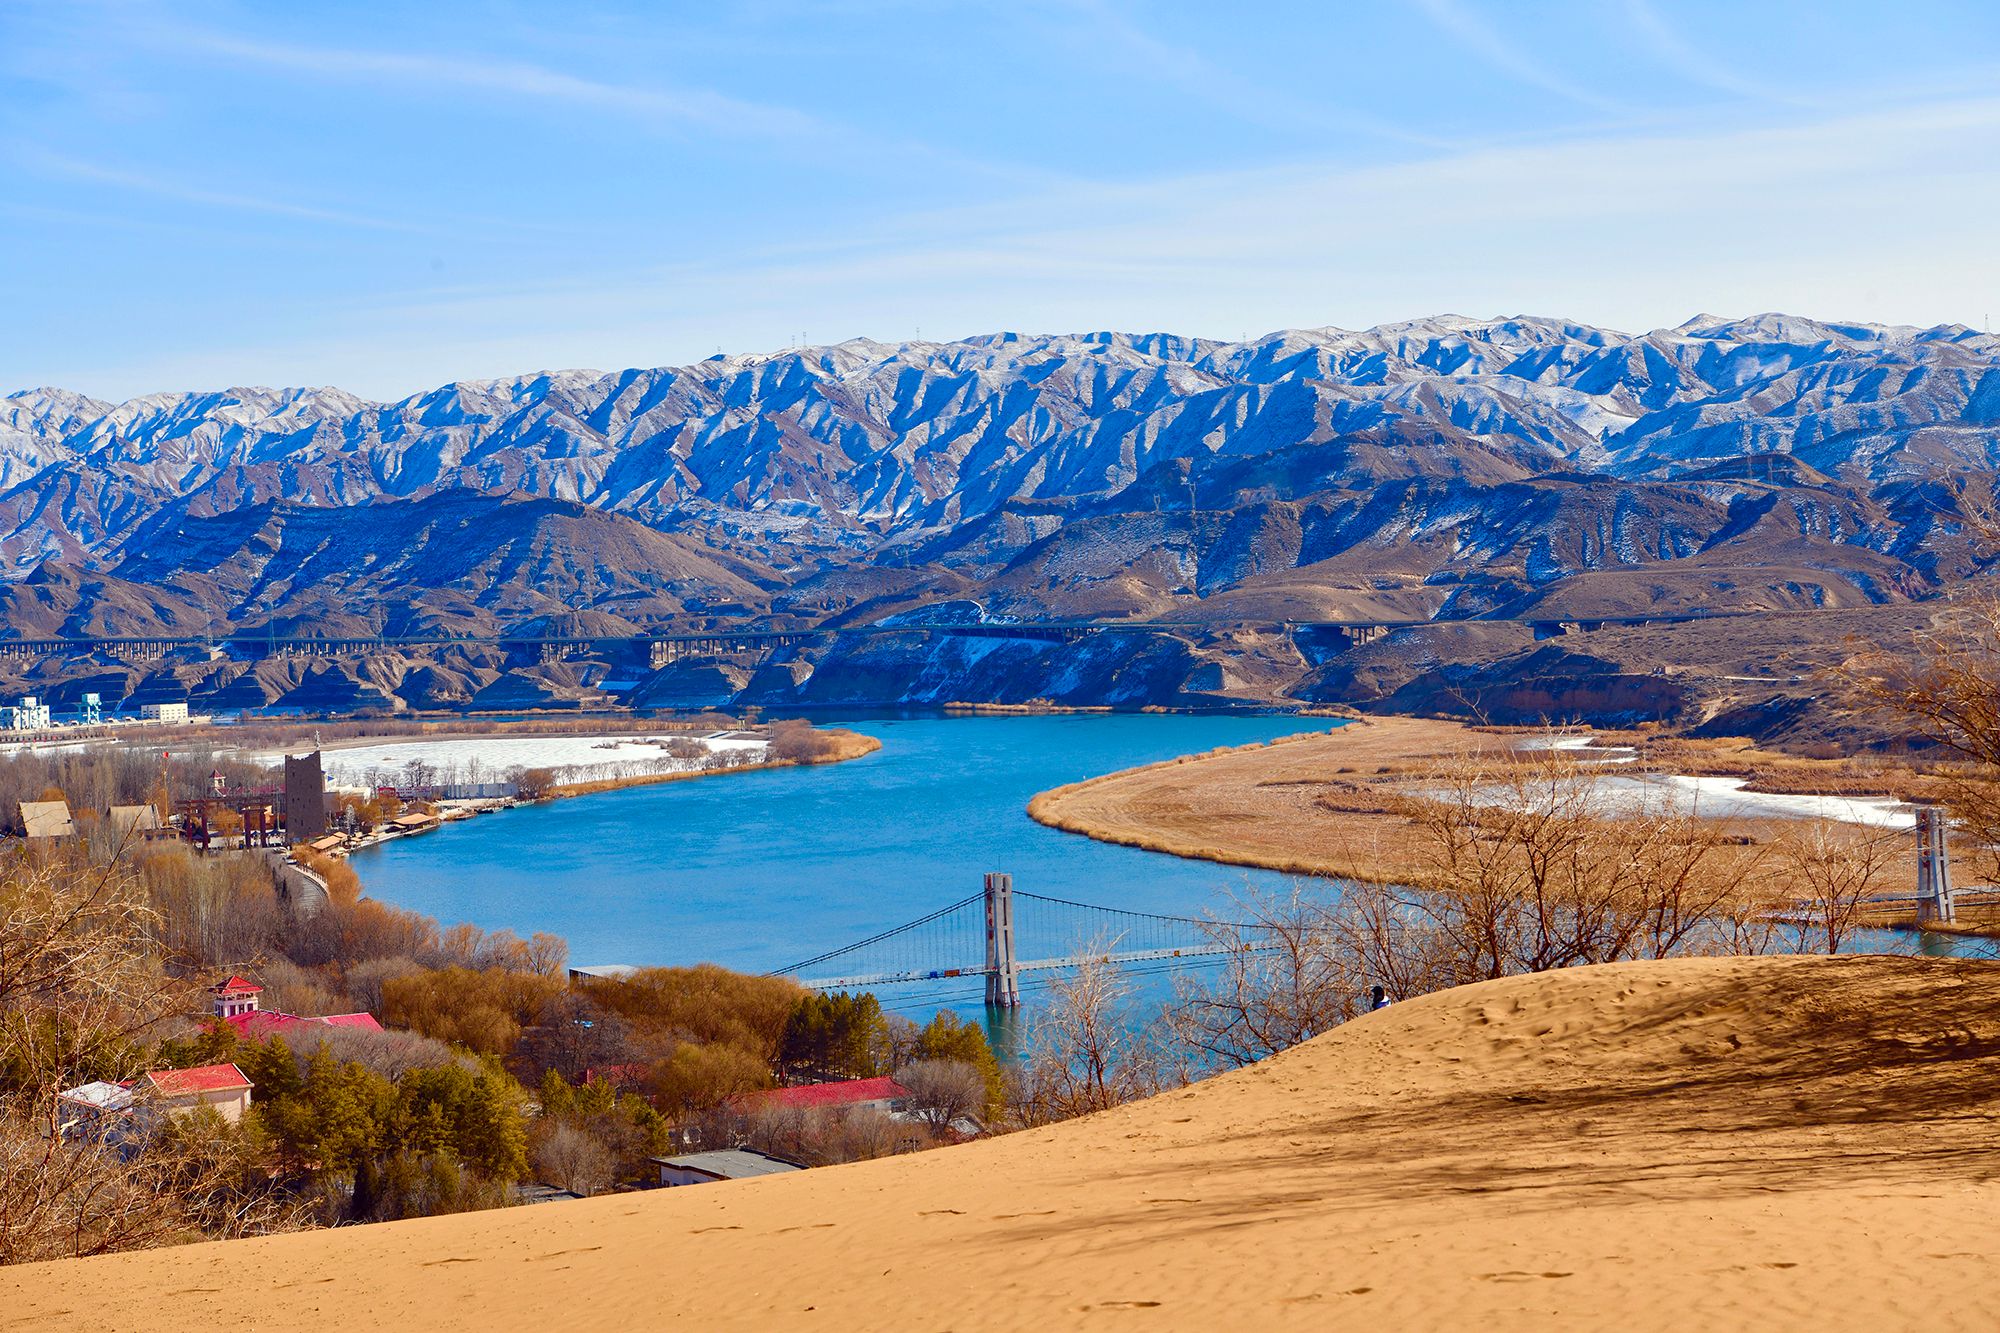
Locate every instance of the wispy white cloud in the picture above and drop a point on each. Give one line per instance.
(1632, 232)
(1191, 73)
(1480, 37)
(46, 163)
(660, 106)
(1675, 52)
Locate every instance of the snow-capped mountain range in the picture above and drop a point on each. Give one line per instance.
(1443, 466)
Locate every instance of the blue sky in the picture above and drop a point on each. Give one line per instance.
(388, 197)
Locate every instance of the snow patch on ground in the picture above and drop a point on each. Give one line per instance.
(490, 758)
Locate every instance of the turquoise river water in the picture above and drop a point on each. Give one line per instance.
(759, 870)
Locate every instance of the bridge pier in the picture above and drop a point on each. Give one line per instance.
(1934, 897)
(1003, 978)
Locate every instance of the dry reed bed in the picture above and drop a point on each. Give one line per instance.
(1339, 804)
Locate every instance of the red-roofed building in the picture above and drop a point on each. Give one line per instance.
(235, 996)
(877, 1094)
(236, 1005)
(270, 1022)
(221, 1086)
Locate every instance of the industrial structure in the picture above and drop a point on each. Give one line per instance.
(305, 798)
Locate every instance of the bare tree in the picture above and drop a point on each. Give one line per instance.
(570, 1157)
(943, 1092)
(81, 993)
(1834, 869)
(1944, 686)
(1283, 977)
(1087, 1051)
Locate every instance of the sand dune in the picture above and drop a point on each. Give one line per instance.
(1764, 1143)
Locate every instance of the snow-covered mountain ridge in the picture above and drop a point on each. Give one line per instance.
(1445, 464)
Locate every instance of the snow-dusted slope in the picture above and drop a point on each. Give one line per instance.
(1170, 467)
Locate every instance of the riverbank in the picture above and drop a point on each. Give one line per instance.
(841, 746)
(1296, 805)
(818, 746)
(1787, 1143)
(1335, 803)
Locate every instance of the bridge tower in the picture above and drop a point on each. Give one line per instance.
(1934, 896)
(1003, 981)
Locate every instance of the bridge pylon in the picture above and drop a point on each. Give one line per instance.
(1003, 978)
(1934, 896)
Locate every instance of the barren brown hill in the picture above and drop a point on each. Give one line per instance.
(1714, 1143)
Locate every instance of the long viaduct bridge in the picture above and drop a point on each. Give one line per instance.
(659, 649)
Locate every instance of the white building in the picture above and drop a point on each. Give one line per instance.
(31, 714)
(164, 712)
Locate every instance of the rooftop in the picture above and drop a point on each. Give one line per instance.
(100, 1096)
(264, 1022)
(851, 1092)
(731, 1163)
(135, 818)
(47, 819)
(236, 986)
(604, 971)
(202, 1078)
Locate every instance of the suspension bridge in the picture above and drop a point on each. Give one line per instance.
(980, 937)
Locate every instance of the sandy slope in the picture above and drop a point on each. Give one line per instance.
(1714, 1143)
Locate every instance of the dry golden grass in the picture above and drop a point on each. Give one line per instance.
(1337, 803)
(1315, 803)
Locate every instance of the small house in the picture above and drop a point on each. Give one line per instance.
(47, 819)
(92, 1109)
(220, 1086)
(234, 995)
(135, 821)
(704, 1168)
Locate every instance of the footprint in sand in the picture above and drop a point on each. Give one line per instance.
(1518, 1276)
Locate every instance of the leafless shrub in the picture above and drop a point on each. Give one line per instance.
(1088, 1052)
(824, 1137)
(1530, 865)
(1285, 976)
(943, 1092)
(1833, 870)
(570, 1157)
(391, 1053)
